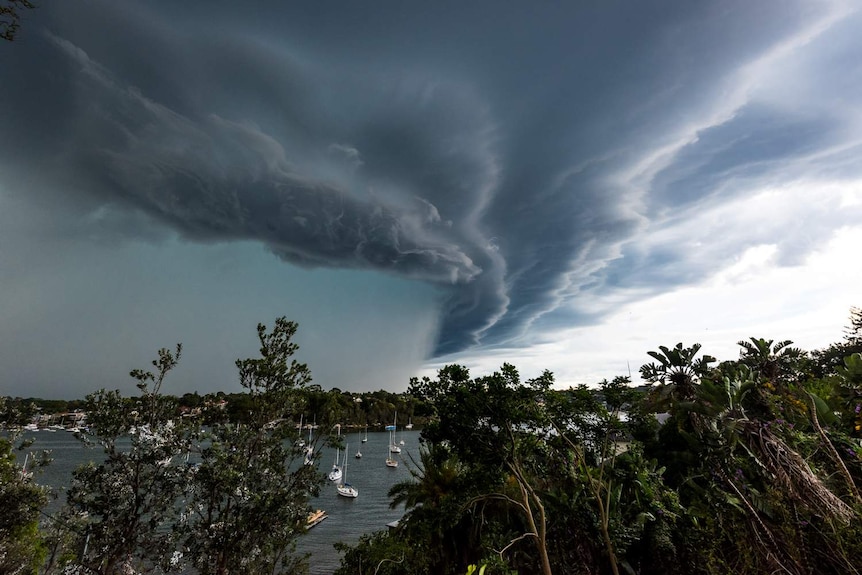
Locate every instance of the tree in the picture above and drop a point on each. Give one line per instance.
(383, 553)
(850, 392)
(495, 423)
(126, 505)
(754, 477)
(603, 492)
(248, 496)
(678, 370)
(827, 361)
(769, 361)
(21, 500)
(434, 499)
(548, 479)
(10, 17)
(238, 510)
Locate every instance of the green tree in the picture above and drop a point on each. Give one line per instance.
(535, 468)
(850, 392)
(248, 496)
(383, 553)
(126, 506)
(434, 499)
(771, 361)
(495, 423)
(10, 17)
(678, 370)
(827, 361)
(755, 476)
(21, 499)
(604, 493)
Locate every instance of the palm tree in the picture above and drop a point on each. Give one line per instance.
(434, 499)
(678, 370)
(767, 360)
(432, 480)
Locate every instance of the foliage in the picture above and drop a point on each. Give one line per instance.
(21, 546)
(678, 370)
(751, 470)
(827, 361)
(126, 505)
(237, 507)
(10, 17)
(383, 553)
(754, 470)
(849, 392)
(434, 498)
(248, 496)
(770, 362)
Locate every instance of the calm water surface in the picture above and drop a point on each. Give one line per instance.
(348, 518)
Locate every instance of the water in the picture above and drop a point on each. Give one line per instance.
(351, 518)
(348, 518)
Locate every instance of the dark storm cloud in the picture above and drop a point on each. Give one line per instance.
(477, 148)
(213, 178)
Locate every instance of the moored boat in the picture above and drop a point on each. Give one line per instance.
(315, 517)
(345, 489)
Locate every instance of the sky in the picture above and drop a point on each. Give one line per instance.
(555, 185)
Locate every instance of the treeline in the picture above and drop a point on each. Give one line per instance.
(353, 409)
(748, 466)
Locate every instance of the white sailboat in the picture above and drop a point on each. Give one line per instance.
(335, 474)
(358, 454)
(390, 461)
(345, 489)
(300, 442)
(409, 423)
(393, 447)
(309, 448)
(26, 475)
(365, 439)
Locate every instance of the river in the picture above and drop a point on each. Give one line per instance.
(347, 520)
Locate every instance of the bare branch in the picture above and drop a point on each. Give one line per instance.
(512, 542)
(382, 561)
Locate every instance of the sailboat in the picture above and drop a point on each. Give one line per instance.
(365, 439)
(409, 423)
(390, 461)
(300, 442)
(26, 475)
(358, 454)
(393, 447)
(335, 474)
(345, 489)
(309, 447)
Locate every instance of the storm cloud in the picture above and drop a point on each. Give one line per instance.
(531, 163)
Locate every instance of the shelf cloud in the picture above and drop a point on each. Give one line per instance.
(533, 167)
